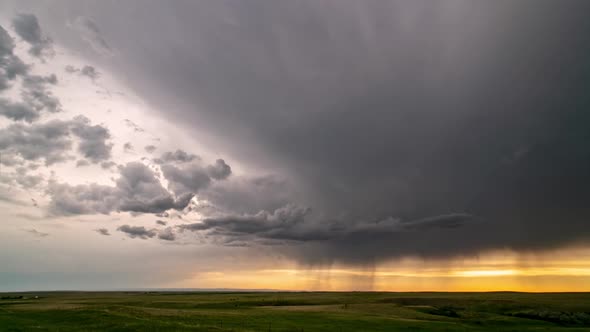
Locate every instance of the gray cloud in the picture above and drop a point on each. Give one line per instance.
(188, 178)
(82, 163)
(137, 232)
(103, 231)
(10, 65)
(108, 164)
(167, 234)
(87, 70)
(136, 190)
(133, 126)
(150, 148)
(381, 108)
(49, 141)
(36, 94)
(18, 111)
(90, 32)
(161, 222)
(178, 156)
(127, 147)
(27, 27)
(26, 180)
(220, 170)
(292, 224)
(93, 139)
(90, 72)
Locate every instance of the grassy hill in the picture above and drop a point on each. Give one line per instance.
(299, 311)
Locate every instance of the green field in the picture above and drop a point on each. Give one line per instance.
(313, 311)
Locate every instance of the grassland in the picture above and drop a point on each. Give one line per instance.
(313, 311)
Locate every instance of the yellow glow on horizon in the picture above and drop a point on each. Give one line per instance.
(564, 270)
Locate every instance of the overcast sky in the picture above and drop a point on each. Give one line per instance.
(167, 144)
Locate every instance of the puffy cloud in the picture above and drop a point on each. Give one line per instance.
(185, 176)
(10, 65)
(27, 27)
(36, 94)
(136, 190)
(93, 139)
(167, 234)
(137, 232)
(18, 111)
(184, 179)
(49, 141)
(220, 170)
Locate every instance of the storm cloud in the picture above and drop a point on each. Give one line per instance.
(430, 128)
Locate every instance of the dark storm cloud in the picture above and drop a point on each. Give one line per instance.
(377, 110)
(292, 224)
(136, 190)
(27, 27)
(137, 232)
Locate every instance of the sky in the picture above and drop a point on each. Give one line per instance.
(301, 145)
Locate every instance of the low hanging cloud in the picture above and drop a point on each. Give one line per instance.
(291, 223)
(27, 27)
